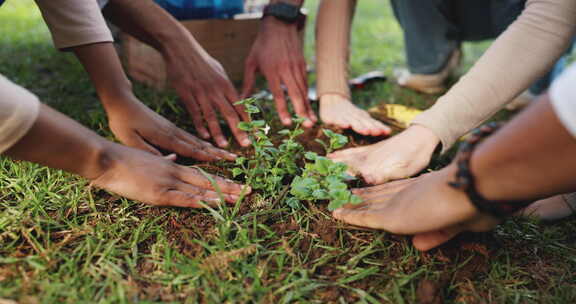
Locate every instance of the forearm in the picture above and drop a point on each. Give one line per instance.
(146, 21)
(59, 142)
(524, 52)
(332, 46)
(103, 65)
(530, 158)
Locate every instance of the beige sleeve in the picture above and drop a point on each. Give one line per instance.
(74, 22)
(522, 54)
(18, 112)
(333, 27)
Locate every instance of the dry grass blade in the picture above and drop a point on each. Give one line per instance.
(220, 260)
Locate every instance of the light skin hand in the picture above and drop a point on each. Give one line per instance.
(131, 121)
(341, 112)
(128, 172)
(277, 54)
(398, 157)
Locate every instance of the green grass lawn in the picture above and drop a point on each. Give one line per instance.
(62, 241)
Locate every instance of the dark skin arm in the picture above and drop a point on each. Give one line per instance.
(130, 120)
(532, 157)
(59, 142)
(277, 54)
(199, 80)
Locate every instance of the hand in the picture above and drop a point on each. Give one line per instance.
(158, 181)
(341, 112)
(425, 207)
(203, 86)
(398, 157)
(277, 54)
(137, 126)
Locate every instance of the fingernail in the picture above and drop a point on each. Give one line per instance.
(246, 142)
(286, 121)
(308, 123)
(223, 143)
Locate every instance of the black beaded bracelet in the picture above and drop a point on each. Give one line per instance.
(465, 180)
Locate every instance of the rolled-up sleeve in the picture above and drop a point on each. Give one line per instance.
(522, 54)
(74, 22)
(18, 112)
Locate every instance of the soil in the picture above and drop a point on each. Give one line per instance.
(322, 230)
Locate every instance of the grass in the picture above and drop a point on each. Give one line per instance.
(64, 242)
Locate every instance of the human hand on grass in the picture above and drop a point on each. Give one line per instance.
(159, 181)
(204, 88)
(277, 53)
(426, 207)
(137, 126)
(399, 157)
(341, 112)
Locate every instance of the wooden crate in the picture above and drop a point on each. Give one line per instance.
(228, 41)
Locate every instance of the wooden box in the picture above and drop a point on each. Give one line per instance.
(228, 41)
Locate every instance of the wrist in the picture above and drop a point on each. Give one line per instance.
(113, 101)
(425, 138)
(334, 97)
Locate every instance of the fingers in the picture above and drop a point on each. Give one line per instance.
(232, 118)
(232, 97)
(171, 157)
(428, 240)
(136, 141)
(279, 99)
(195, 178)
(212, 120)
(297, 92)
(177, 198)
(250, 70)
(196, 113)
(384, 189)
(205, 194)
(363, 216)
(208, 151)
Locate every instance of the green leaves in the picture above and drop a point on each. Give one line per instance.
(270, 166)
(323, 180)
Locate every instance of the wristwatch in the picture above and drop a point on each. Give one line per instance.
(283, 11)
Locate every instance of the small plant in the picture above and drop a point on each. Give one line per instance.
(272, 168)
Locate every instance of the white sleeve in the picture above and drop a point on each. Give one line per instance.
(563, 96)
(18, 112)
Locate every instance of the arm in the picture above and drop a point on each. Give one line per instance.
(198, 79)
(39, 134)
(332, 55)
(527, 49)
(130, 120)
(524, 52)
(333, 28)
(506, 167)
(277, 53)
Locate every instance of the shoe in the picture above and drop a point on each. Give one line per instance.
(521, 101)
(429, 83)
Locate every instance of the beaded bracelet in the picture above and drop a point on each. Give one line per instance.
(465, 180)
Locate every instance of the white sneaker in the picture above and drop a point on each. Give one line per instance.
(429, 83)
